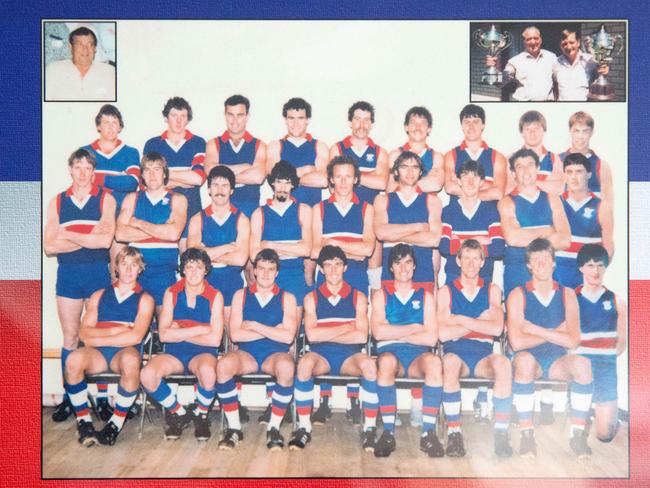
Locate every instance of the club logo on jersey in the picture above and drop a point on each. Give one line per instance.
(370, 158)
(165, 201)
(416, 304)
(607, 305)
(589, 213)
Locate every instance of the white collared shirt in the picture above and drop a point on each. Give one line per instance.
(63, 81)
(573, 80)
(534, 74)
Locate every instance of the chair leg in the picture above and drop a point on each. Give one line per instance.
(144, 412)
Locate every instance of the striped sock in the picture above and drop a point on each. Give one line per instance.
(369, 403)
(123, 402)
(482, 400)
(204, 399)
(580, 404)
(78, 395)
(502, 409)
(431, 398)
(102, 391)
(270, 386)
(416, 398)
(304, 396)
(523, 396)
(64, 357)
(387, 396)
(451, 403)
(279, 403)
(352, 392)
(325, 392)
(227, 393)
(163, 395)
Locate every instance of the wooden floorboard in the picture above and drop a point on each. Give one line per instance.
(335, 451)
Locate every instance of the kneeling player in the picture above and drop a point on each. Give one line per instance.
(404, 324)
(603, 327)
(543, 323)
(116, 320)
(470, 317)
(336, 325)
(191, 325)
(263, 326)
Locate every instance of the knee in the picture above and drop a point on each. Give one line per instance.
(149, 378)
(369, 369)
(207, 375)
(130, 363)
(305, 367)
(285, 370)
(75, 363)
(502, 368)
(432, 367)
(225, 369)
(386, 363)
(524, 366)
(451, 365)
(582, 370)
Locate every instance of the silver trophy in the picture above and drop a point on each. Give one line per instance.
(603, 46)
(495, 42)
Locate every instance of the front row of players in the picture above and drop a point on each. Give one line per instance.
(407, 321)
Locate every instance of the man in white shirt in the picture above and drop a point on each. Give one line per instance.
(80, 78)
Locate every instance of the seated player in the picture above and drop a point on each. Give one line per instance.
(603, 336)
(404, 324)
(263, 327)
(470, 316)
(191, 326)
(116, 320)
(543, 322)
(336, 326)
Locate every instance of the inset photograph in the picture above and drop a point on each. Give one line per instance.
(548, 61)
(80, 61)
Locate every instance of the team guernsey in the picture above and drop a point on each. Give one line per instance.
(225, 278)
(486, 157)
(333, 311)
(585, 229)
(84, 271)
(473, 346)
(367, 162)
(346, 225)
(299, 156)
(119, 170)
(190, 316)
(594, 182)
(426, 157)
(189, 154)
(459, 225)
(401, 211)
(598, 337)
(548, 314)
(545, 165)
(530, 213)
(246, 197)
(160, 256)
(285, 227)
(403, 311)
(115, 310)
(267, 312)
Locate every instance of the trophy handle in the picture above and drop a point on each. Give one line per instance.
(507, 40)
(587, 45)
(476, 36)
(618, 44)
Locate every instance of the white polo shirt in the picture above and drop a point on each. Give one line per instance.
(573, 80)
(63, 81)
(534, 74)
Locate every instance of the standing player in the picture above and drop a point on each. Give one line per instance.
(184, 153)
(590, 219)
(152, 221)
(467, 217)
(543, 322)
(307, 154)
(528, 213)
(243, 153)
(404, 324)
(603, 326)
(222, 231)
(263, 325)
(116, 320)
(79, 230)
(470, 317)
(191, 326)
(472, 123)
(417, 125)
(336, 326)
(581, 128)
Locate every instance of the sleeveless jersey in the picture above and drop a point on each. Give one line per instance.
(245, 154)
(462, 305)
(299, 156)
(367, 162)
(426, 156)
(81, 217)
(332, 314)
(598, 324)
(271, 314)
(215, 234)
(529, 215)
(486, 158)
(548, 316)
(545, 165)
(112, 311)
(156, 252)
(348, 227)
(282, 228)
(398, 312)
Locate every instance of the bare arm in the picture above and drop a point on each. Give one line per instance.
(211, 155)
(560, 238)
(392, 232)
(435, 178)
(237, 333)
(554, 183)
(284, 332)
(606, 183)
(517, 337)
(316, 176)
(101, 237)
(606, 218)
(169, 330)
(450, 326)
(52, 243)
(377, 178)
(302, 248)
(451, 182)
(255, 174)
(213, 337)
(567, 334)
(125, 232)
(381, 329)
(490, 322)
(273, 151)
(170, 230)
(428, 333)
(513, 233)
(496, 189)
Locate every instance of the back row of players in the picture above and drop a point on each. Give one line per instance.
(81, 226)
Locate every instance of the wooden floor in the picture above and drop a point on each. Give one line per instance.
(334, 452)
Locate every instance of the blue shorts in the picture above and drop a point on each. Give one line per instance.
(185, 352)
(79, 281)
(262, 349)
(109, 353)
(603, 369)
(546, 354)
(227, 281)
(335, 354)
(293, 280)
(469, 351)
(155, 281)
(356, 276)
(514, 275)
(405, 353)
(567, 273)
